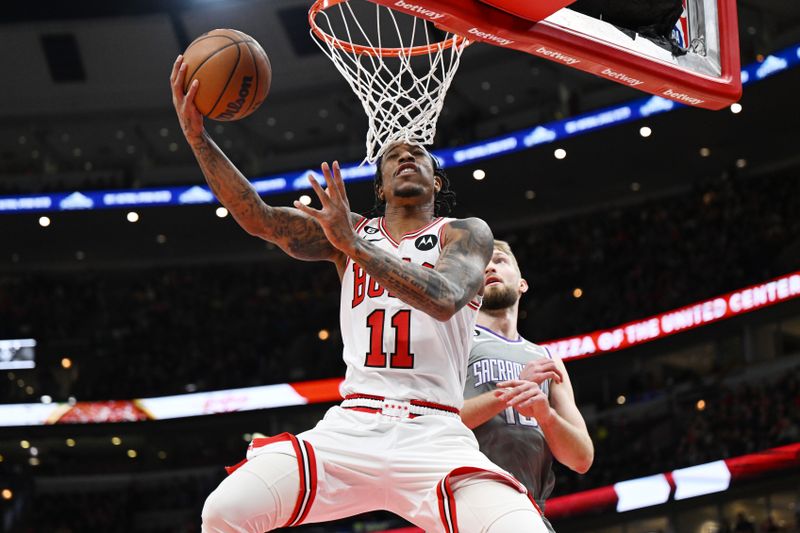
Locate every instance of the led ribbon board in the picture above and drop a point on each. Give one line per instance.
(454, 157)
(749, 299)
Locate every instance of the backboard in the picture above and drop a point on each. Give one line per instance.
(707, 75)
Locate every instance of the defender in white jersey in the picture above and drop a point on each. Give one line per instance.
(411, 285)
(520, 402)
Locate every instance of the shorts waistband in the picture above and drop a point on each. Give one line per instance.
(396, 408)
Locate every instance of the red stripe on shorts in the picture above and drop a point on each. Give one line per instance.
(303, 481)
(312, 465)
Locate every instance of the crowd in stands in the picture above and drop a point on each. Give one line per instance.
(707, 423)
(154, 331)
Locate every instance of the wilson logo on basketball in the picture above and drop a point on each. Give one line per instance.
(233, 107)
(426, 242)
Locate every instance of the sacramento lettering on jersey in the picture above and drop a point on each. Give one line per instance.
(493, 370)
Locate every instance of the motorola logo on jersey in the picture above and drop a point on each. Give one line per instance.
(426, 242)
(370, 230)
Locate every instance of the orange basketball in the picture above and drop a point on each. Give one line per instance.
(234, 73)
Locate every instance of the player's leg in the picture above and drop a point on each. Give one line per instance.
(491, 506)
(259, 496)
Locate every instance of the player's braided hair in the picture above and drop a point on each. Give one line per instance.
(445, 199)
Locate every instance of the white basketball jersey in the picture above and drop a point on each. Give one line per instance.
(392, 349)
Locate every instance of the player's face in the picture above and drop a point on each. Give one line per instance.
(503, 283)
(407, 175)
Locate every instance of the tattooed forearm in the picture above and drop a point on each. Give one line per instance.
(442, 291)
(297, 234)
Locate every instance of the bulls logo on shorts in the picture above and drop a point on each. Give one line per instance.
(426, 242)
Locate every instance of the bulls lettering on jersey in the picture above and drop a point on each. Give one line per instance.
(392, 349)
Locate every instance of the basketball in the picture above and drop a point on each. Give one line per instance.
(234, 74)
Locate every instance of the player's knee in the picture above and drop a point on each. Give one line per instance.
(225, 512)
(518, 521)
(258, 497)
(217, 516)
(490, 506)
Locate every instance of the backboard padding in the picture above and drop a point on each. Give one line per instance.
(708, 76)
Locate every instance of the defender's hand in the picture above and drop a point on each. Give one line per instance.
(334, 217)
(540, 371)
(189, 117)
(527, 398)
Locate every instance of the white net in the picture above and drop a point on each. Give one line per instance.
(400, 67)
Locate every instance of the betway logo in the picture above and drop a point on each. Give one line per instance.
(419, 10)
(683, 97)
(619, 76)
(489, 36)
(558, 56)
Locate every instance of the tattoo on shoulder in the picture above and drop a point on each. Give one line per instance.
(474, 237)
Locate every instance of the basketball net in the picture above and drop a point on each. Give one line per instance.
(401, 88)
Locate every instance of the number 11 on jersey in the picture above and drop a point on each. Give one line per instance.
(402, 356)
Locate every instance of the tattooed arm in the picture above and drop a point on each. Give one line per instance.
(450, 285)
(296, 233)
(441, 291)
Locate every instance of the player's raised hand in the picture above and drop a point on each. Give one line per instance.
(334, 217)
(526, 397)
(540, 370)
(190, 118)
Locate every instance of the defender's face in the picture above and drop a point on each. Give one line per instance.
(503, 284)
(407, 172)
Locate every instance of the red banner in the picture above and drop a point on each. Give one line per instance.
(699, 314)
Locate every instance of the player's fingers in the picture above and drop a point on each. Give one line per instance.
(310, 211)
(555, 376)
(516, 391)
(510, 383)
(190, 94)
(330, 190)
(175, 68)
(338, 181)
(321, 194)
(180, 78)
(524, 396)
(330, 181)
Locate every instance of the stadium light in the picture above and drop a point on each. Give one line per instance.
(44, 221)
(736, 108)
(132, 216)
(478, 174)
(560, 153)
(645, 131)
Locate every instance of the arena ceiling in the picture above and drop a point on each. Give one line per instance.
(111, 122)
